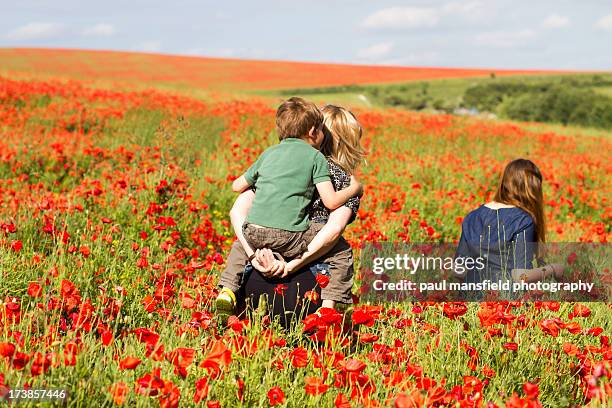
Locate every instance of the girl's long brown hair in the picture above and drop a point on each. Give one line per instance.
(521, 186)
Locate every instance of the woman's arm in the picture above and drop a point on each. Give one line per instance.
(238, 215)
(525, 250)
(324, 241)
(538, 274)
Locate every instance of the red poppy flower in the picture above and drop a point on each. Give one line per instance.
(7, 349)
(280, 289)
(34, 290)
(119, 392)
(454, 310)
(315, 386)
(187, 301)
(20, 360)
(146, 336)
(219, 356)
(299, 357)
(352, 365)
(531, 390)
(424, 383)
(595, 331)
(150, 384)
(362, 316)
(16, 245)
(550, 326)
(322, 280)
(312, 296)
(201, 390)
(570, 349)
(573, 327)
(510, 346)
(107, 337)
(129, 363)
(170, 396)
(43, 362)
(581, 310)
(181, 357)
(276, 396)
(342, 401)
(487, 372)
(413, 400)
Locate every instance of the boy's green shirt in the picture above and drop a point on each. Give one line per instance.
(284, 177)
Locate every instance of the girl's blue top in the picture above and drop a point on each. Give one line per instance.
(504, 238)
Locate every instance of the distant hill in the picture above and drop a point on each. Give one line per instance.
(216, 73)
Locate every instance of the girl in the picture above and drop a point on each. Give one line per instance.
(506, 231)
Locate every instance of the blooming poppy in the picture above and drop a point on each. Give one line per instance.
(119, 392)
(276, 396)
(129, 363)
(315, 386)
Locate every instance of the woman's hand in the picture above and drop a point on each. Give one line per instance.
(267, 264)
(255, 263)
(291, 267)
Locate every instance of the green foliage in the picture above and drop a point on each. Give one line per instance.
(486, 97)
(559, 104)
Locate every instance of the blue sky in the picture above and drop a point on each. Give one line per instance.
(561, 34)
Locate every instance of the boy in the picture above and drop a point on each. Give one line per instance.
(285, 177)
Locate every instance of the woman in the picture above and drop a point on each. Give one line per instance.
(343, 149)
(505, 232)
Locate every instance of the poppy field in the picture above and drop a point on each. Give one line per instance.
(114, 227)
(219, 74)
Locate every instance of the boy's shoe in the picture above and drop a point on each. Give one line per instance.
(225, 304)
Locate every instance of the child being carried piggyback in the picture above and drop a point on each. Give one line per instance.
(285, 177)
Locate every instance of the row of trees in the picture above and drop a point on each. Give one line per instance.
(568, 101)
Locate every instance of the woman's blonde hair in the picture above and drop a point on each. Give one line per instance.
(342, 143)
(521, 186)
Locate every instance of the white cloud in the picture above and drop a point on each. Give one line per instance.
(555, 21)
(376, 51)
(100, 30)
(415, 17)
(402, 17)
(605, 23)
(471, 10)
(35, 31)
(505, 39)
